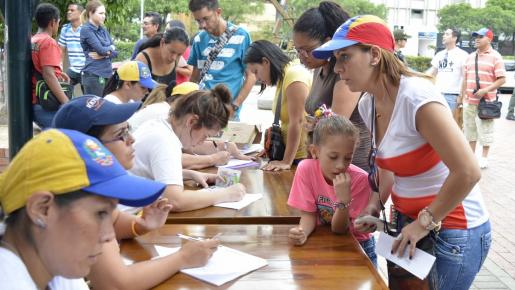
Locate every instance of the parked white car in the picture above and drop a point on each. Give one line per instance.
(508, 86)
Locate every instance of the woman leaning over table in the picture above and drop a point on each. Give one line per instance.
(162, 53)
(98, 48)
(59, 209)
(274, 68)
(108, 122)
(425, 163)
(313, 28)
(159, 144)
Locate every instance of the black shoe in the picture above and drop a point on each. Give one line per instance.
(510, 117)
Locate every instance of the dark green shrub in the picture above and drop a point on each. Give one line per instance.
(419, 63)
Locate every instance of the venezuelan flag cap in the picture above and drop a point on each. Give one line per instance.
(366, 29)
(64, 161)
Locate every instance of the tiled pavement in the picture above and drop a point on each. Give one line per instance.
(498, 187)
(497, 184)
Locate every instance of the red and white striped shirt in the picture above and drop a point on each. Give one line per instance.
(490, 68)
(419, 173)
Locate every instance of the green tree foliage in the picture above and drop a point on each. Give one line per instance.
(353, 7)
(499, 15)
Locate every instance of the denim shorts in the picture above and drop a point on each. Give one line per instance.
(451, 100)
(459, 253)
(369, 246)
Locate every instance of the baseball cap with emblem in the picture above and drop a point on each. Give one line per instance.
(185, 88)
(366, 29)
(87, 111)
(484, 32)
(63, 161)
(138, 72)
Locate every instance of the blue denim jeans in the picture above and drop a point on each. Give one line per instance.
(93, 84)
(369, 246)
(75, 78)
(459, 254)
(451, 100)
(42, 117)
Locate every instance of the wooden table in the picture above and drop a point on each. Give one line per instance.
(271, 209)
(326, 261)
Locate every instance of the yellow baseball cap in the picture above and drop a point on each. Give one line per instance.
(62, 161)
(138, 72)
(185, 88)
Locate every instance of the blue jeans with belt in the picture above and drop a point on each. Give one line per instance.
(459, 253)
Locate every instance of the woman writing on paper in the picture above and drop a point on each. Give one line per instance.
(159, 144)
(108, 123)
(274, 68)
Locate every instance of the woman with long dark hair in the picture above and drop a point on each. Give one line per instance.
(274, 68)
(162, 52)
(313, 28)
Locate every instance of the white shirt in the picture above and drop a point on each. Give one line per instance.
(419, 172)
(15, 276)
(449, 64)
(158, 153)
(114, 99)
(150, 112)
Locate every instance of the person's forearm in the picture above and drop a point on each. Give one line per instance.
(250, 81)
(123, 226)
(340, 221)
(186, 200)
(186, 71)
(495, 85)
(195, 75)
(111, 273)
(308, 222)
(195, 162)
(292, 142)
(455, 188)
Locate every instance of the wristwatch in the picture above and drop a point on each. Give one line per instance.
(342, 205)
(426, 220)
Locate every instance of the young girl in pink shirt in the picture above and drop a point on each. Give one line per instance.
(328, 189)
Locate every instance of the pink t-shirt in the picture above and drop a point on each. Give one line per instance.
(310, 192)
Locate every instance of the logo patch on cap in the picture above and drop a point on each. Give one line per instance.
(144, 72)
(94, 103)
(98, 153)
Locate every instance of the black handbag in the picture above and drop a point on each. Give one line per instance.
(274, 144)
(45, 97)
(487, 110)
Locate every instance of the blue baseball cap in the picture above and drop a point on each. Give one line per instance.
(484, 32)
(87, 111)
(63, 161)
(138, 72)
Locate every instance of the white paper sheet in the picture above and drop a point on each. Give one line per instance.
(246, 200)
(251, 148)
(225, 265)
(419, 266)
(236, 163)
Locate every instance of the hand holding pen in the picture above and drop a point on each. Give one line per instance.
(198, 252)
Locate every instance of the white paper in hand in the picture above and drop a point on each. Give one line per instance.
(419, 265)
(245, 201)
(225, 265)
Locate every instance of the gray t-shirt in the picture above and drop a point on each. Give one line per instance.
(322, 93)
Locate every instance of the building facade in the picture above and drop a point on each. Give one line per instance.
(419, 19)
